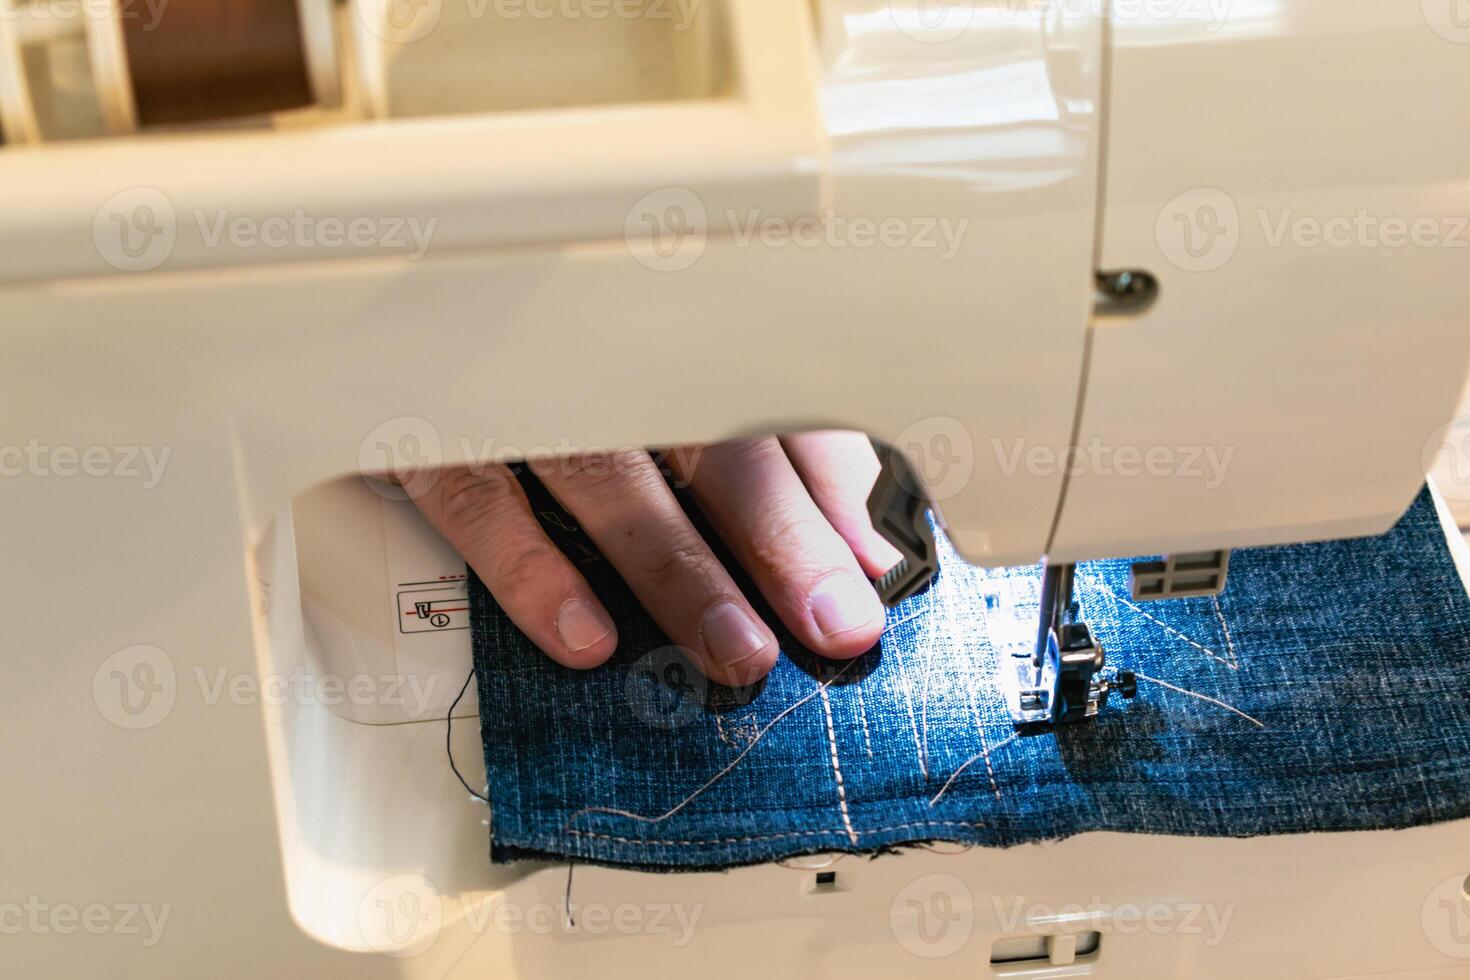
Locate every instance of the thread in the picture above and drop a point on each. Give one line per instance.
(449, 734)
(966, 764)
(1203, 697)
(641, 818)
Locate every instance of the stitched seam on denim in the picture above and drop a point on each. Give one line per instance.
(908, 700)
(781, 715)
(1225, 628)
(924, 700)
(760, 837)
(985, 755)
(837, 767)
(980, 728)
(1099, 583)
(863, 714)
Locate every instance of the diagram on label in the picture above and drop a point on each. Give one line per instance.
(432, 607)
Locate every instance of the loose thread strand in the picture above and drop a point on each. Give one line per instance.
(717, 776)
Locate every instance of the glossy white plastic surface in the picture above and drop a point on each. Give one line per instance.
(1297, 175)
(981, 143)
(262, 372)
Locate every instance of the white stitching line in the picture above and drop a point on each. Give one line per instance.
(924, 702)
(929, 652)
(934, 605)
(821, 687)
(1203, 649)
(956, 774)
(836, 768)
(782, 836)
(989, 769)
(908, 700)
(980, 728)
(863, 714)
(973, 690)
(972, 695)
(1225, 628)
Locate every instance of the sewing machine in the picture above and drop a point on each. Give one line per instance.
(1110, 279)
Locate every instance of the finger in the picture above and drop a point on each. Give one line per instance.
(755, 499)
(485, 515)
(621, 500)
(839, 470)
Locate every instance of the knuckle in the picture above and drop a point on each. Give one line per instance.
(468, 498)
(748, 453)
(604, 475)
(778, 545)
(833, 493)
(533, 564)
(682, 561)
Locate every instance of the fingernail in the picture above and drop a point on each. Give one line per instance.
(842, 603)
(580, 624)
(731, 635)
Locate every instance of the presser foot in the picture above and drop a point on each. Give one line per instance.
(1071, 683)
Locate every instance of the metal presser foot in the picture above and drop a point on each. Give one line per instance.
(1064, 680)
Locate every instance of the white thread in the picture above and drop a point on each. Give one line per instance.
(907, 619)
(970, 693)
(936, 606)
(1203, 649)
(863, 715)
(836, 767)
(989, 770)
(924, 702)
(755, 838)
(980, 755)
(1254, 721)
(908, 700)
(723, 772)
(1225, 628)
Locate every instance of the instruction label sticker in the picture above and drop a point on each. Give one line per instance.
(430, 603)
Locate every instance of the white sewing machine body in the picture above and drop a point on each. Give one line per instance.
(1033, 144)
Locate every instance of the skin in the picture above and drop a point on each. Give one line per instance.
(793, 511)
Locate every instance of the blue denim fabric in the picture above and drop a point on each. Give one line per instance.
(1353, 655)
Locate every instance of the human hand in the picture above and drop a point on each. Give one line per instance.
(792, 511)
